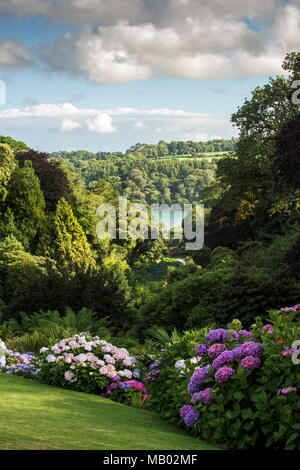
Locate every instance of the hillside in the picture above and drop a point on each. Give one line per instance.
(35, 416)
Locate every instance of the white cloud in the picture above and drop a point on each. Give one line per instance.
(139, 125)
(68, 125)
(101, 123)
(14, 54)
(158, 12)
(197, 48)
(170, 124)
(286, 29)
(86, 53)
(128, 40)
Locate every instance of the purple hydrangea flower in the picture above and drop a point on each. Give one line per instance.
(226, 356)
(123, 385)
(221, 335)
(237, 352)
(250, 362)
(205, 396)
(216, 335)
(154, 365)
(197, 379)
(154, 372)
(224, 373)
(268, 328)
(191, 417)
(245, 334)
(252, 349)
(185, 409)
(235, 336)
(201, 350)
(195, 398)
(216, 349)
(290, 309)
(286, 390)
(289, 351)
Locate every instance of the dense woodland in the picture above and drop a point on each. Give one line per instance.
(54, 268)
(164, 173)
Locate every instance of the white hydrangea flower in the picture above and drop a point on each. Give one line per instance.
(180, 364)
(50, 358)
(195, 360)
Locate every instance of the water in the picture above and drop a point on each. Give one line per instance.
(170, 218)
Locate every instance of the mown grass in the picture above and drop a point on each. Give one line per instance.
(37, 416)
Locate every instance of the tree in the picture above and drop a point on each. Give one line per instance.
(107, 292)
(69, 244)
(7, 166)
(15, 145)
(29, 282)
(26, 201)
(246, 177)
(53, 180)
(286, 158)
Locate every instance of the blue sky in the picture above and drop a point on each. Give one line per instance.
(100, 75)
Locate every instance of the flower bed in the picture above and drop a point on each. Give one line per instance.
(26, 365)
(127, 392)
(242, 391)
(86, 363)
(234, 387)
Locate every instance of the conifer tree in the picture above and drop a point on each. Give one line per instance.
(71, 248)
(7, 165)
(26, 202)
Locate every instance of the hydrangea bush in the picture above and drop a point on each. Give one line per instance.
(86, 363)
(26, 365)
(129, 392)
(243, 389)
(167, 375)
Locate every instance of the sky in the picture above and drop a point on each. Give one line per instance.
(104, 75)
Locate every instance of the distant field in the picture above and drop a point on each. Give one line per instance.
(207, 156)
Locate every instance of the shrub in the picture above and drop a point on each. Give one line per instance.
(228, 288)
(129, 392)
(26, 365)
(241, 391)
(167, 372)
(85, 363)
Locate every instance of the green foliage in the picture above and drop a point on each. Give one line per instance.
(149, 181)
(70, 247)
(246, 411)
(26, 203)
(84, 320)
(168, 389)
(27, 342)
(15, 145)
(265, 161)
(292, 258)
(53, 180)
(160, 335)
(230, 286)
(24, 277)
(7, 166)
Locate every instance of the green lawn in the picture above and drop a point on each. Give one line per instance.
(37, 416)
